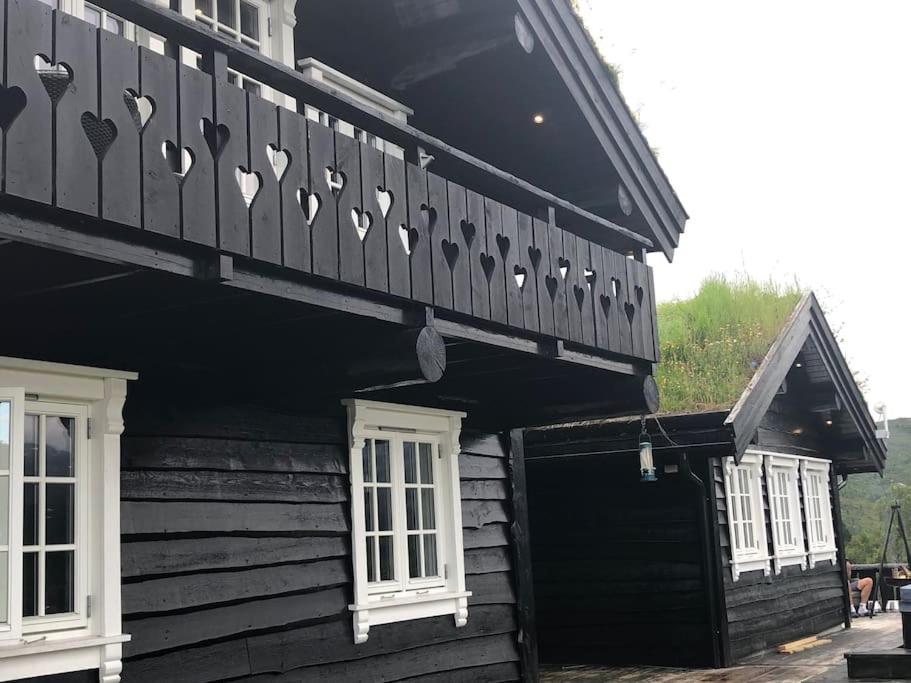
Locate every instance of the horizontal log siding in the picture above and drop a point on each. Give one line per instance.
(236, 557)
(617, 565)
(764, 612)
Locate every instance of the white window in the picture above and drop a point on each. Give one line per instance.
(817, 505)
(59, 519)
(110, 22)
(746, 515)
(406, 517)
(784, 507)
(241, 20)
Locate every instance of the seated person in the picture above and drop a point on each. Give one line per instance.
(864, 586)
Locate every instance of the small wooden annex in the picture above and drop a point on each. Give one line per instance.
(736, 548)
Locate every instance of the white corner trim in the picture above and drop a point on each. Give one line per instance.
(748, 561)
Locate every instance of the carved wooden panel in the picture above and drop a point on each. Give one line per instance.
(462, 234)
(495, 259)
(422, 218)
(398, 229)
(326, 183)
(298, 205)
(544, 282)
(442, 252)
(376, 202)
(524, 273)
(268, 161)
(197, 196)
(165, 161)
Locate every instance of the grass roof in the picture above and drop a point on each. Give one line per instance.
(713, 343)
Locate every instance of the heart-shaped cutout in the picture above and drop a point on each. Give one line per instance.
(310, 203)
(140, 107)
(521, 274)
(640, 294)
(605, 305)
(362, 221)
(468, 231)
(216, 136)
(590, 277)
(534, 255)
(180, 161)
(579, 293)
(488, 264)
(451, 253)
(551, 284)
(249, 184)
(100, 132)
(630, 311)
(409, 238)
(12, 103)
(615, 287)
(335, 180)
(279, 160)
(563, 265)
(428, 218)
(384, 199)
(55, 77)
(503, 245)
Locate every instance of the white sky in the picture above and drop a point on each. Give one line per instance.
(785, 128)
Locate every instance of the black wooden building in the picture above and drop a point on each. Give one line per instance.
(333, 324)
(736, 548)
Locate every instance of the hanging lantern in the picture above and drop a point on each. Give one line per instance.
(646, 462)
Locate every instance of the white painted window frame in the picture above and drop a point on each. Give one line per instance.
(819, 549)
(757, 557)
(372, 419)
(34, 647)
(795, 552)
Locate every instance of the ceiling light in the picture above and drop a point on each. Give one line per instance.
(829, 422)
(798, 365)
(538, 119)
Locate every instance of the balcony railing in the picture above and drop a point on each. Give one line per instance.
(95, 125)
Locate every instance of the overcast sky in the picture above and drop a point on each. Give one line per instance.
(785, 128)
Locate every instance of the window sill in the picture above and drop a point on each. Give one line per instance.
(750, 563)
(788, 558)
(406, 608)
(822, 554)
(58, 655)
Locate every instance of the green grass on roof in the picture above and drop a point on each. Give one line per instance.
(713, 343)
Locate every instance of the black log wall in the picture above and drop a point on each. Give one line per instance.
(617, 564)
(236, 554)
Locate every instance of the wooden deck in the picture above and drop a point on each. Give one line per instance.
(822, 664)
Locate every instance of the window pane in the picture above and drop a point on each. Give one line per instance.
(60, 440)
(386, 561)
(31, 446)
(92, 15)
(252, 87)
(411, 508)
(30, 514)
(368, 461)
(384, 508)
(4, 515)
(371, 559)
(60, 512)
(426, 463)
(368, 508)
(4, 435)
(114, 25)
(249, 20)
(382, 461)
(4, 585)
(427, 512)
(58, 587)
(204, 7)
(29, 584)
(226, 13)
(414, 556)
(430, 555)
(411, 472)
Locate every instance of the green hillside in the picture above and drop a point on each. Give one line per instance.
(866, 498)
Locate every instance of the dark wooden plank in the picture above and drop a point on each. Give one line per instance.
(606, 330)
(615, 264)
(439, 234)
(228, 141)
(522, 560)
(153, 634)
(398, 236)
(197, 195)
(653, 317)
(144, 517)
(28, 139)
(481, 467)
(494, 254)
(160, 185)
(559, 272)
(487, 560)
(490, 673)
(479, 513)
(225, 486)
(145, 559)
(525, 272)
(121, 199)
(76, 118)
(491, 589)
(483, 490)
(227, 659)
(573, 278)
(376, 267)
(422, 220)
(636, 280)
(481, 272)
(324, 226)
(270, 162)
(512, 265)
(490, 536)
(585, 276)
(545, 286)
(295, 188)
(197, 590)
(461, 234)
(231, 455)
(482, 443)
(354, 223)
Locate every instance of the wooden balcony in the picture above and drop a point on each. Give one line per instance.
(112, 150)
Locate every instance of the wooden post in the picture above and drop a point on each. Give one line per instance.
(521, 556)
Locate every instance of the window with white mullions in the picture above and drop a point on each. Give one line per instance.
(242, 21)
(746, 516)
(784, 508)
(378, 515)
(420, 510)
(104, 19)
